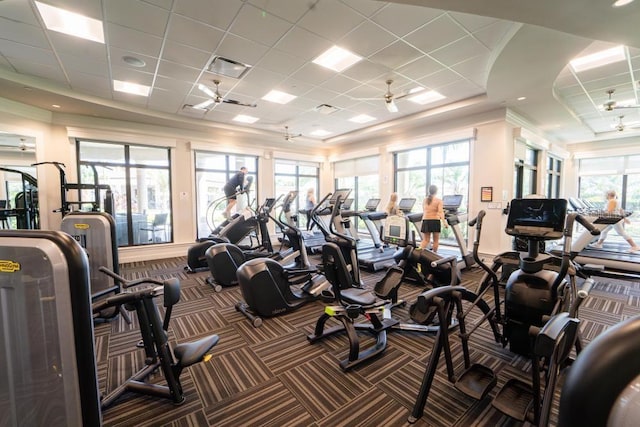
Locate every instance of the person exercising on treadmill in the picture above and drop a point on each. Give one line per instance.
(232, 188)
(432, 219)
(613, 207)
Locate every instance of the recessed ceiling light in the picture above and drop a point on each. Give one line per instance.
(337, 59)
(133, 61)
(279, 97)
(362, 118)
(598, 59)
(320, 132)
(71, 23)
(132, 88)
(621, 3)
(242, 118)
(521, 98)
(55, 105)
(426, 97)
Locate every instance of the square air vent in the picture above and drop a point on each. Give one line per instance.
(228, 67)
(326, 109)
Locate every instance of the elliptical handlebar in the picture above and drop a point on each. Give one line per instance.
(129, 283)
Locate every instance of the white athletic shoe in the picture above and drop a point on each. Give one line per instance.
(634, 249)
(597, 246)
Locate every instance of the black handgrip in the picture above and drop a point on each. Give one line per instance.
(586, 224)
(444, 260)
(477, 219)
(129, 283)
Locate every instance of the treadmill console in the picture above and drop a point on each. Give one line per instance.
(346, 204)
(395, 230)
(537, 219)
(372, 205)
(341, 193)
(452, 202)
(406, 205)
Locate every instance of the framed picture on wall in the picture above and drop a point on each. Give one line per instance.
(486, 194)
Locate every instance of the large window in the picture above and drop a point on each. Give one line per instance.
(525, 179)
(362, 177)
(213, 170)
(445, 165)
(139, 178)
(554, 173)
(291, 175)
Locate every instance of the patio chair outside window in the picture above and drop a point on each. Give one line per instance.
(159, 224)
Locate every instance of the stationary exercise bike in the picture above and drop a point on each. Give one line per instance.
(158, 352)
(539, 321)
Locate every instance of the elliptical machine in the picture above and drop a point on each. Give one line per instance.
(539, 321)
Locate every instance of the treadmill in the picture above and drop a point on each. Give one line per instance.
(381, 256)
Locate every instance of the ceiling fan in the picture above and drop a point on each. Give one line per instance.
(288, 136)
(389, 98)
(620, 126)
(23, 145)
(216, 98)
(611, 105)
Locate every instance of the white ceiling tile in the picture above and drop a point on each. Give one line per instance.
(116, 56)
(303, 44)
(366, 39)
(133, 40)
(181, 54)
(493, 35)
(140, 101)
(339, 83)
(48, 72)
(402, 19)
(365, 7)
(23, 33)
(11, 50)
(458, 91)
(313, 73)
(366, 70)
(447, 31)
(294, 86)
(165, 4)
(475, 69)
(5, 64)
(19, 11)
(241, 49)
(366, 91)
(259, 81)
(280, 62)
(220, 16)
(131, 75)
(178, 71)
(260, 27)
(137, 15)
(420, 68)
(81, 65)
(289, 10)
(396, 55)
(470, 22)
(193, 33)
(321, 94)
(330, 19)
(89, 50)
(164, 100)
(90, 84)
(459, 51)
(440, 78)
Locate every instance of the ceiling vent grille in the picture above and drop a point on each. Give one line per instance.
(326, 109)
(228, 67)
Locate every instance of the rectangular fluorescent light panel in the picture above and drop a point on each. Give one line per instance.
(320, 132)
(228, 67)
(337, 59)
(279, 97)
(132, 88)
(362, 118)
(71, 23)
(427, 97)
(598, 59)
(242, 118)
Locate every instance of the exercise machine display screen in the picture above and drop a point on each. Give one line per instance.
(395, 230)
(372, 205)
(342, 194)
(451, 202)
(541, 219)
(405, 205)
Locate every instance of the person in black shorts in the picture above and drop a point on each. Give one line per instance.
(232, 188)
(432, 219)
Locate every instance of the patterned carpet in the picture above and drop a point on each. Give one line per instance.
(272, 376)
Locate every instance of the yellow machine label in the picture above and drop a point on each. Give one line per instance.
(81, 226)
(7, 266)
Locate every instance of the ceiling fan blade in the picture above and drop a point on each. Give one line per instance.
(391, 106)
(203, 105)
(208, 91)
(234, 102)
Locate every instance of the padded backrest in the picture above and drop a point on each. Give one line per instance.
(335, 268)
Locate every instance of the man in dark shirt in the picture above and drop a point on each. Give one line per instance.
(232, 188)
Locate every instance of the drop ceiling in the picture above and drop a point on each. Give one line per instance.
(483, 55)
